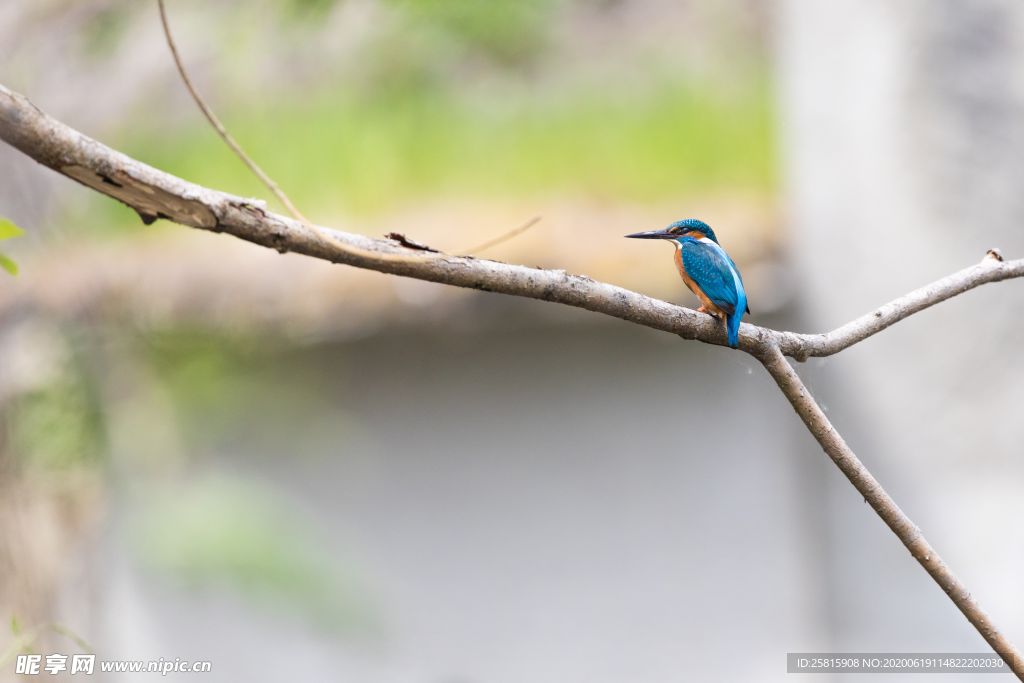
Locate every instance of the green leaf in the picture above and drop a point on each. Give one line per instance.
(7, 264)
(9, 230)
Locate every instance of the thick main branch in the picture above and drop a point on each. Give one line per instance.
(155, 194)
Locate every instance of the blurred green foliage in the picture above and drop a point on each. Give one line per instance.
(307, 9)
(58, 426)
(509, 31)
(456, 99)
(235, 392)
(356, 154)
(103, 31)
(217, 531)
(208, 376)
(221, 395)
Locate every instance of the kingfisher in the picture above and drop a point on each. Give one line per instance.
(707, 270)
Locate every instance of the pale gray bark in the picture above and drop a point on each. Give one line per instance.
(155, 194)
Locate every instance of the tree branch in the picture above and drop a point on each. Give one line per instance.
(155, 194)
(834, 445)
(991, 269)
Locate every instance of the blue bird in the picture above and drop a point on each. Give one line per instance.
(707, 270)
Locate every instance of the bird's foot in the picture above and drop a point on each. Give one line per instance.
(711, 313)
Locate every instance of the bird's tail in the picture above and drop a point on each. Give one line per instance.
(732, 326)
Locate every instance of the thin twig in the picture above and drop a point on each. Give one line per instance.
(24, 640)
(992, 268)
(237, 149)
(219, 127)
(834, 445)
(68, 633)
(153, 192)
(529, 223)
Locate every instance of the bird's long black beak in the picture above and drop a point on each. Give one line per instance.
(653, 235)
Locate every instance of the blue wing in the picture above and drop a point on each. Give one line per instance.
(713, 272)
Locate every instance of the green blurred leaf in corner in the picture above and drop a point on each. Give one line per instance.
(7, 264)
(9, 230)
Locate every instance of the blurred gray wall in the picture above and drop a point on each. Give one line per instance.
(594, 503)
(903, 129)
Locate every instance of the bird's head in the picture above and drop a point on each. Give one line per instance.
(691, 227)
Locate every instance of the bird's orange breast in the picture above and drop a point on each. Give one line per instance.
(704, 300)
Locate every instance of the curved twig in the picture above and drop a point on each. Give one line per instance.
(219, 127)
(518, 230)
(155, 194)
(25, 640)
(252, 165)
(266, 179)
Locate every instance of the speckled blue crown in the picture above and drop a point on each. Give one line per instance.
(693, 225)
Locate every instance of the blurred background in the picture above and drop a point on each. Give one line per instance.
(210, 451)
